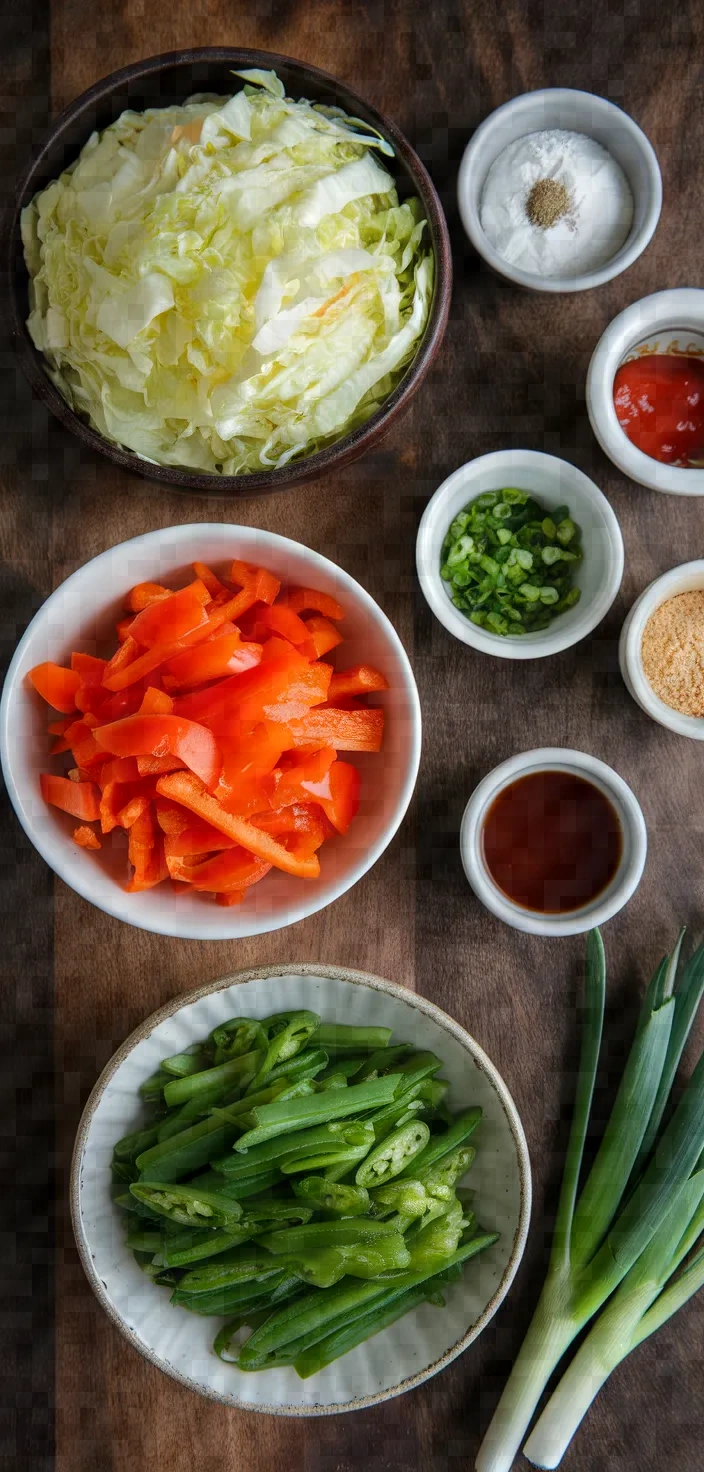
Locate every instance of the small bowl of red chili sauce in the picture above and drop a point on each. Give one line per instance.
(553, 841)
(645, 391)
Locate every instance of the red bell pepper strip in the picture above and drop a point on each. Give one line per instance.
(183, 787)
(297, 780)
(118, 769)
(82, 742)
(296, 818)
(59, 728)
(56, 685)
(215, 588)
(146, 853)
(158, 766)
(133, 809)
(170, 619)
(123, 626)
(143, 594)
(307, 600)
(161, 736)
(197, 838)
(226, 655)
(155, 703)
(322, 637)
(283, 683)
(90, 668)
(80, 799)
(235, 868)
(86, 838)
(170, 816)
(360, 679)
(279, 619)
(247, 763)
(346, 730)
(261, 584)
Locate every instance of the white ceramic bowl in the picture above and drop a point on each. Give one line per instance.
(666, 322)
(409, 1351)
(635, 841)
(578, 112)
(83, 611)
(553, 482)
(684, 579)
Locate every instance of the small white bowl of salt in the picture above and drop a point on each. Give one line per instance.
(559, 190)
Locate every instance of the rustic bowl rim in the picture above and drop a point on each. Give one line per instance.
(350, 446)
(354, 977)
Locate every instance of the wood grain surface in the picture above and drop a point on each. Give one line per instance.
(511, 372)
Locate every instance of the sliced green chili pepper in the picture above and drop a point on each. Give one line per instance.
(130, 1146)
(408, 1197)
(241, 1188)
(324, 1351)
(287, 1034)
(153, 1087)
(180, 1065)
(323, 1139)
(186, 1152)
(393, 1154)
(235, 1037)
(306, 1064)
(325, 1195)
(327, 1234)
(438, 1240)
(440, 1179)
(283, 1118)
(385, 1060)
(442, 1144)
(348, 1067)
(179, 1090)
(188, 1205)
(192, 1246)
(342, 1036)
(122, 1172)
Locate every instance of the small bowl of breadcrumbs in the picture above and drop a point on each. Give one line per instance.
(661, 650)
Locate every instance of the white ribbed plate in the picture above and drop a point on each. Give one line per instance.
(407, 1352)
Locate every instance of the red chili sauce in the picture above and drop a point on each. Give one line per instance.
(552, 842)
(659, 402)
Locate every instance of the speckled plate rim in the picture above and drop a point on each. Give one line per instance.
(375, 983)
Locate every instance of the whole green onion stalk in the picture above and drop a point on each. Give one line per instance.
(625, 1237)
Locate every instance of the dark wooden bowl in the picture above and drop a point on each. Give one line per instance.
(161, 81)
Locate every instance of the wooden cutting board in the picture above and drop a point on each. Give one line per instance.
(511, 372)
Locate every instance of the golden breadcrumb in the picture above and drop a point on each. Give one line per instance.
(673, 652)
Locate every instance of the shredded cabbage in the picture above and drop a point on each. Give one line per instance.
(228, 284)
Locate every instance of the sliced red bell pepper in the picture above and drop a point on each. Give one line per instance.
(197, 838)
(56, 685)
(82, 742)
(346, 730)
(308, 600)
(123, 626)
(282, 684)
(170, 619)
(226, 655)
(322, 637)
(143, 594)
(80, 799)
(279, 619)
(133, 809)
(158, 766)
(260, 584)
(297, 780)
(146, 853)
(296, 818)
(235, 868)
(161, 736)
(86, 838)
(59, 728)
(90, 668)
(215, 588)
(247, 762)
(360, 679)
(185, 788)
(121, 769)
(170, 816)
(155, 703)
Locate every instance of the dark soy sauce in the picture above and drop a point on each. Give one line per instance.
(552, 842)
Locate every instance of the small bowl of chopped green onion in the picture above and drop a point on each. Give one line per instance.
(519, 554)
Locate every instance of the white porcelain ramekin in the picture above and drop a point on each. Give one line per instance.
(684, 579)
(578, 112)
(667, 321)
(635, 841)
(553, 482)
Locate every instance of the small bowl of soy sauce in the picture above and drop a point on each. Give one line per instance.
(553, 841)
